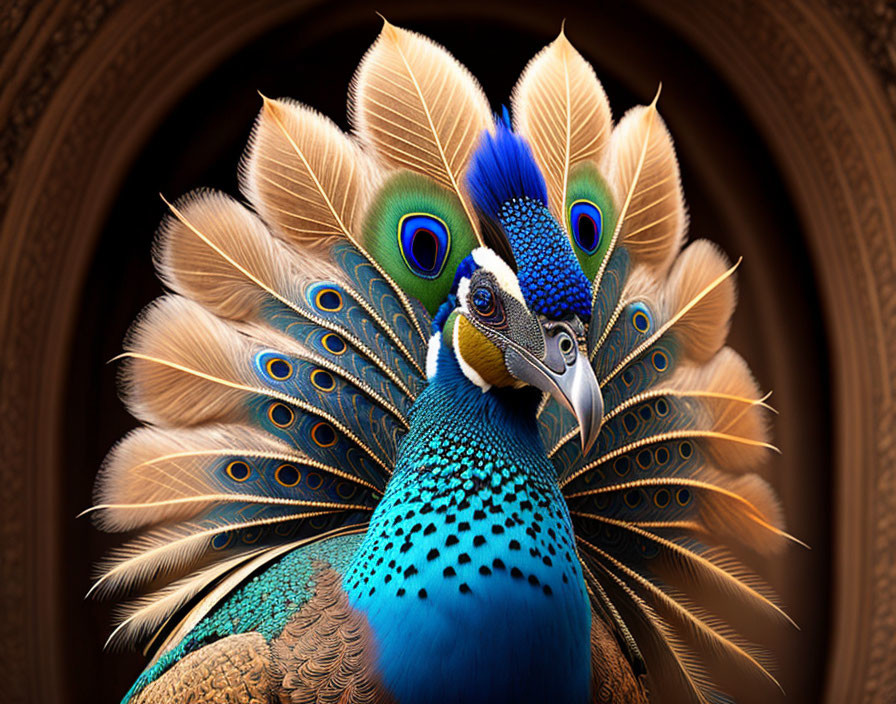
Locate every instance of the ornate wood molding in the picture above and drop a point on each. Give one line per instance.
(822, 109)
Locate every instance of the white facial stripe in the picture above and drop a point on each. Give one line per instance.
(488, 260)
(463, 292)
(468, 371)
(432, 355)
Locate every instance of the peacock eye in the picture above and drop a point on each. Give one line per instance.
(586, 223)
(424, 242)
(483, 301)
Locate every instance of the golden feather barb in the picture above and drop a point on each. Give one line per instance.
(417, 108)
(561, 109)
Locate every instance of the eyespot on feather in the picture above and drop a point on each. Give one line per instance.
(287, 475)
(222, 540)
(586, 225)
(419, 233)
(333, 344)
(641, 318)
(323, 380)
(314, 481)
(424, 242)
(325, 298)
(238, 470)
(281, 415)
(323, 435)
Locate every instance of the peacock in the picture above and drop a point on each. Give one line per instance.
(442, 413)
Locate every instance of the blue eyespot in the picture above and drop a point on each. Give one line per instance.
(323, 380)
(323, 436)
(424, 242)
(238, 470)
(281, 415)
(325, 297)
(586, 224)
(273, 366)
(641, 318)
(221, 540)
(333, 343)
(287, 475)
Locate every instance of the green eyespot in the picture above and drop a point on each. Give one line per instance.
(418, 232)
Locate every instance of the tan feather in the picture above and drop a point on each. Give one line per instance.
(696, 305)
(561, 109)
(417, 108)
(312, 183)
(707, 306)
(717, 643)
(728, 381)
(170, 550)
(304, 176)
(676, 676)
(743, 509)
(143, 615)
(217, 252)
(186, 367)
(644, 173)
(714, 571)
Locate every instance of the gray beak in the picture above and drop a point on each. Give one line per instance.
(565, 374)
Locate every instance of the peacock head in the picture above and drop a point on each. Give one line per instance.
(499, 341)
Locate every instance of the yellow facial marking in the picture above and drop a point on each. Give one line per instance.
(477, 351)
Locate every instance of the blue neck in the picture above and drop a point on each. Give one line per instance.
(468, 574)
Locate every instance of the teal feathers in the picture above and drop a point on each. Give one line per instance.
(304, 413)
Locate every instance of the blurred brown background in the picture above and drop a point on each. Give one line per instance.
(784, 115)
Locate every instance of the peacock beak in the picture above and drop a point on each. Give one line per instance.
(565, 373)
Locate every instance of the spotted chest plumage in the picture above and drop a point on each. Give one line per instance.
(473, 537)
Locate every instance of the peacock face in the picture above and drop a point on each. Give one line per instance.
(499, 341)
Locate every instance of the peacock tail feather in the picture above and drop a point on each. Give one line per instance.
(277, 379)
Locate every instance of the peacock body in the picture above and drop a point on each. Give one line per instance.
(446, 417)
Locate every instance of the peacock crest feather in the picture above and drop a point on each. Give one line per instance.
(299, 387)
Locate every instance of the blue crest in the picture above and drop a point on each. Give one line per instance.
(507, 186)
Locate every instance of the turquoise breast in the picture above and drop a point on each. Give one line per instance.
(468, 574)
